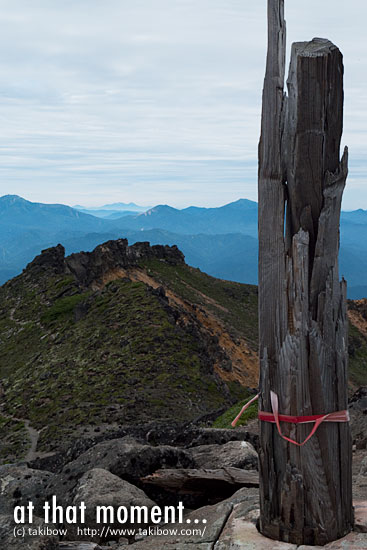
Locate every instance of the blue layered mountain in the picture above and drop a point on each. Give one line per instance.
(220, 241)
(236, 217)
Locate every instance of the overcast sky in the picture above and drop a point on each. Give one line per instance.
(155, 101)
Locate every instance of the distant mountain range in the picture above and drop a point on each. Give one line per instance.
(112, 211)
(236, 217)
(116, 206)
(220, 241)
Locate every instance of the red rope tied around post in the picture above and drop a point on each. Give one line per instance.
(275, 417)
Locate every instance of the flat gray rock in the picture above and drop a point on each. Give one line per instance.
(235, 454)
(188, 533)
(210, 522)
(240, 533)
(353, 541)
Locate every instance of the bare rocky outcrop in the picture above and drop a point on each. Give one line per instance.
(89, 267)
(210, 523)
(108, 473)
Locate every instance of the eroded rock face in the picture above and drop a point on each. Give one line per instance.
(88, 267)
(52, 259)
(92, 266)
(99, 487)
(235, 454)
(19, 485)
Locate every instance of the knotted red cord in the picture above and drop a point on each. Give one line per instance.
(275, 417)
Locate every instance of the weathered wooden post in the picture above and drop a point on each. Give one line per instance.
(305, 491)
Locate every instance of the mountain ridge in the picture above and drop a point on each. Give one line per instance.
(97, 339)
(204, 235)
(114, 206)
(124, 335)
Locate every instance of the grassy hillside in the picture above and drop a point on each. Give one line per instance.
(234, 303)
(125, 335)
(75, 357)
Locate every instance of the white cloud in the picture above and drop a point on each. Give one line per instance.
(150, 99)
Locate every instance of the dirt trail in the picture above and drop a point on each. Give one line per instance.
(11, 316)
(33, 435)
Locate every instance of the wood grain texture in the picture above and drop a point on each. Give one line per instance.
(198, 481)
(305, 493)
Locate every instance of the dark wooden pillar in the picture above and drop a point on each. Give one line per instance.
(305, 492)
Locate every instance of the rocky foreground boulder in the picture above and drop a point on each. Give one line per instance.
(187, 437)
(19, 485)
(119, 472)
(208, 521)
(28, 540)
(99, 487)
(125, 458)
(112, 472)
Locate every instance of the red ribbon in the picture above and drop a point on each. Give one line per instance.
(275, 417)
(243, 409)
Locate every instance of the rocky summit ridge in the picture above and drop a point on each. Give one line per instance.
(118, 336)
(94, 267)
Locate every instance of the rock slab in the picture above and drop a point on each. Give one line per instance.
(235, 454)
(99, 487)
(360, 516)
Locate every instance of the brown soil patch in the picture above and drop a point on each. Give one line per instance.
(356, 318)
(245, 367)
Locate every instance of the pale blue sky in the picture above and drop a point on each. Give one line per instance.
(154, 101)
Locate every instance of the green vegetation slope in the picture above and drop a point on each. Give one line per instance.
(125, 335)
